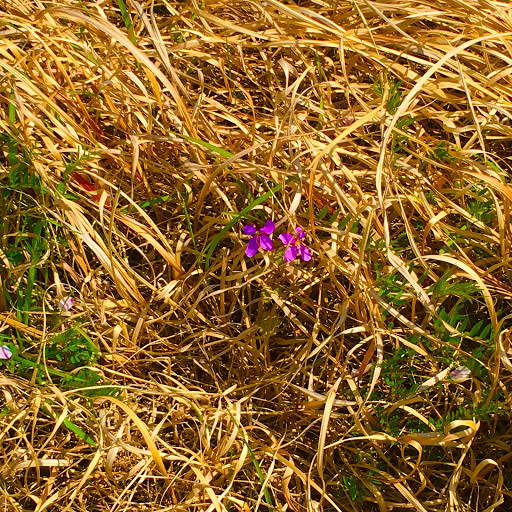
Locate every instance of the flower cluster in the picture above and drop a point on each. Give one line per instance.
(261, 239)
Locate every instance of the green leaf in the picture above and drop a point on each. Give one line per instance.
(485, 333)
(323, 212)
(476, 328)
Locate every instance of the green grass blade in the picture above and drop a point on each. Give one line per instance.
(127, 20)
(207, 145)
(73, 428)
(29, 287)
(257, 467)
(79, 432)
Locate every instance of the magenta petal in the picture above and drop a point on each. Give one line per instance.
(266, 243)
(300, 233)
(304, 252)
(268, 228)
(252, 247)
(249, 230)
(286, 238)
(290, 253)
(5, 352)
(66, 303)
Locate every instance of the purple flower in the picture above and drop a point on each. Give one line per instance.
(291, 243)
(5, 352)
(66, 303)
(260, 238)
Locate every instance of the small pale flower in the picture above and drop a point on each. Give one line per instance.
(460, 374)
(66, 303)
(291, 243)
(5, 352)
(260, 238)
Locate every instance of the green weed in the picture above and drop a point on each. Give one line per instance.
(352, 488)
(394, 96)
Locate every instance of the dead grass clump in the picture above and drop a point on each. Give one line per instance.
(137, 140)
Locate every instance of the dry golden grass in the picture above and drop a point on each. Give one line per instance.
(138, 138)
